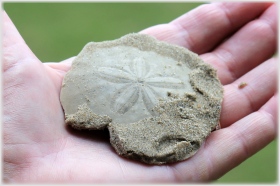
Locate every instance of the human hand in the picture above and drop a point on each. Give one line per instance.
(38, 147)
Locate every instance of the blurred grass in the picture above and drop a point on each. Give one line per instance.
(260, 168)
(56, 31)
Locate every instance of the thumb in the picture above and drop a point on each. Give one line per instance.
(14, 48)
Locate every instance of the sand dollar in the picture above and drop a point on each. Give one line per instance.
(159, 101)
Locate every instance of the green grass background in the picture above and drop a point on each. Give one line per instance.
(56, 31)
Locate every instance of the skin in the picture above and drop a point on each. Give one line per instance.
(238, 39)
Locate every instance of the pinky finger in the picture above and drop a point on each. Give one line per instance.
(245, 137)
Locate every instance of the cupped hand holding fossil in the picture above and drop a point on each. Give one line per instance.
(38, 148)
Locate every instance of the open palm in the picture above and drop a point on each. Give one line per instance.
(237, 39)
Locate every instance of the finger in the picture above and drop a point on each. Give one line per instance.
(245, 138)
(14, 48)
(241, 101)
(226, 148)
(250, 46)
(61, 67)
(204, 27)
(271, 108)
(57, 71)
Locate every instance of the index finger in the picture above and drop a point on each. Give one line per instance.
(203, 28)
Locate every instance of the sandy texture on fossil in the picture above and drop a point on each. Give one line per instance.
(159, 101)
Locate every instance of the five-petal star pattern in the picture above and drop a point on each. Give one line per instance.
(139, 82)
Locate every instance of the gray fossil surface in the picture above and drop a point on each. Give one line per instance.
(159, 101)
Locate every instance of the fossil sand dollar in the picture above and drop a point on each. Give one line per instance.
(158, 101)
